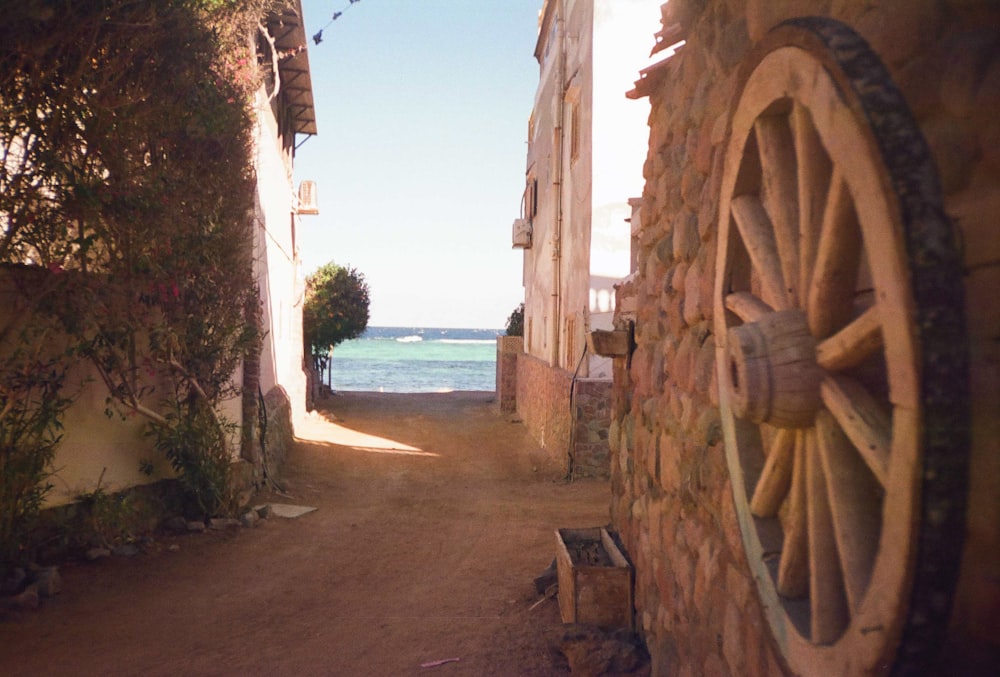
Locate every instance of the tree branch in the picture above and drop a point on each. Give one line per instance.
(132, 402)
(274, 61)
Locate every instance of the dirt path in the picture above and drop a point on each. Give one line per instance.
(432, 522)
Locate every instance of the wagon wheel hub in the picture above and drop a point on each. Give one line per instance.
(773, 374)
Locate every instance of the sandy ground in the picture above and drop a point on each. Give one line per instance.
(433, 518)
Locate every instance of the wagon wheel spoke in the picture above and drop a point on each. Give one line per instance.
(747, 307)
(828, 606)
(793, 569)
(758, 237)
(867, 425)
(776, 478)
(855, 502)
(853, 344)
(779, 192)
(831, 294)
(813, 184)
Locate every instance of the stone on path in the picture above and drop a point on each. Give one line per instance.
(48, 582)
(127, 550)
(289, 511)
(97, 553)
(592, 651)
(222, 523)
(176, 524)
(249, 519)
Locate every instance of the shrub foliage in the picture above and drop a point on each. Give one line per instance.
(126, 180)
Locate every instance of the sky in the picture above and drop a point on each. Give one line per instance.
(422, 113)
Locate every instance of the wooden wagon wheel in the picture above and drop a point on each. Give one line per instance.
(842, 361)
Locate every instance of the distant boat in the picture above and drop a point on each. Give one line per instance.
(409, 339)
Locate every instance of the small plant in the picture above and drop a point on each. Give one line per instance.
(31, 410)
(194, 442)
(108, 519)
(515, 322)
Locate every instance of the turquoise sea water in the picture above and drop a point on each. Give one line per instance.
(417, 360)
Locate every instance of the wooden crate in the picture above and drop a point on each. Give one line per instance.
(593, 590)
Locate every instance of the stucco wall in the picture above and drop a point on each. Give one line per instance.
(277, 267)
(556, 267)
(672, 501)
(508, 349)
(95, 450)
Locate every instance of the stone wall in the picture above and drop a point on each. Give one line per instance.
(672, 502)
(543, 405)
(280, 434)
(591, 419)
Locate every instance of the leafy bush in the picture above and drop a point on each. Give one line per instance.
(127, 175)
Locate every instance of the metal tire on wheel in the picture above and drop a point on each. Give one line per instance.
(842, 359)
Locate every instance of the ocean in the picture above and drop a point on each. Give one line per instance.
(416, 360)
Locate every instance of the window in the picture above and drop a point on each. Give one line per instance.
(571, 342)
(530, 206)
(572, 119)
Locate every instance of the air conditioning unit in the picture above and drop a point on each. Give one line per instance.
(522, 233)
(308, 203)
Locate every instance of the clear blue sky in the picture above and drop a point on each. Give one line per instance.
(422, 110)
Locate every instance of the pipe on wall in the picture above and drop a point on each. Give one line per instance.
(560, 131)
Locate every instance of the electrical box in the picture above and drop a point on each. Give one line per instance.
(522, 233)
(308, 204)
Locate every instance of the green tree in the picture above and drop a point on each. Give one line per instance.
(336, 310)
(515, 322)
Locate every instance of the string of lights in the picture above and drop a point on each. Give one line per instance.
(318, 38)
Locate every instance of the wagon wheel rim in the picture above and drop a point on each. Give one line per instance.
(826, 349)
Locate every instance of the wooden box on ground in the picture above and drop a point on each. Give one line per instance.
(595, 579)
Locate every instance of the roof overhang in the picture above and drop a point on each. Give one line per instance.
(287, 27)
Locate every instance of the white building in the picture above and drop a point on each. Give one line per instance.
(586, 148)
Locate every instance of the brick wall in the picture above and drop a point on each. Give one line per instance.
(543, 405)
(672, 501)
